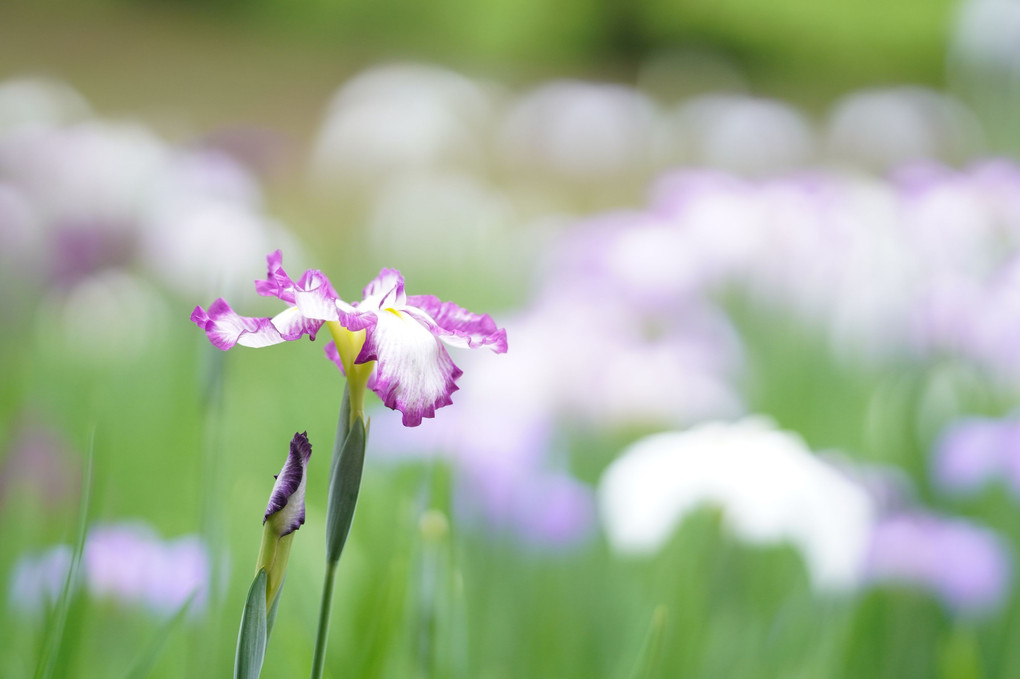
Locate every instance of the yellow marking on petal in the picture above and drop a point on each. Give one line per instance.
(394, 312)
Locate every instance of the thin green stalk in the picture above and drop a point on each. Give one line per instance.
(55, 633)
(324, 610)
(651, 652)
(344, 486)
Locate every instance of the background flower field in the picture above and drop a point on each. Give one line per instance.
(759, 277)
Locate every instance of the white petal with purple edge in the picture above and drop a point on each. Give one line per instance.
(293, 325)
(315, 297)
(226, 328)
(385, 290)
(457, 326)
(414, 374)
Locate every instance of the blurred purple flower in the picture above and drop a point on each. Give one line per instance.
(975, 451)
(541, 508)
(38, 580)
(968, 567)
(38, 459)
(125, 562)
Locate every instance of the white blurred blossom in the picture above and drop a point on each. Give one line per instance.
(744, 135)
(768, 485)
(881, 129)
(401, 117)
(32, 101)
(580, 132)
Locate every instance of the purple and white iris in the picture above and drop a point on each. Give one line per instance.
(404, 335)
(286, 508)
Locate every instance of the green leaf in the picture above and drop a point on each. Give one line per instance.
(343, 425)
(251, 639)
(147, 660)
(344, 485)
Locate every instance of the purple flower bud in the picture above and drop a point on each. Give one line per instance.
(286, 508)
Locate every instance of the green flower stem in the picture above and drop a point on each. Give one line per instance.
(321, 637)
(344, 487)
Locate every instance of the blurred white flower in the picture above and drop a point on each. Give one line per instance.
(101, 316)
(987, 34)
(92, 172)
(745, 135)
(39, 101)
(768, 485)
(22, 242)
(422, 221)
(396, 118)
(581, 132)
(881, 129)
(205, 246)
(83, 198)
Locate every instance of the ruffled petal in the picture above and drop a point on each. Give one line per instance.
(225, 328)
(383, 291)
(355, 320)
(292, 324)
(457, 326)
(277, 284)
(286, 508)
(414, 373)
(315, 297)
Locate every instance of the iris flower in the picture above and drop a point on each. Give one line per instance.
(391, 342)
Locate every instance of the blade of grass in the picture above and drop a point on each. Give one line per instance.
(648, 660)
(55, 631)
(147, 660)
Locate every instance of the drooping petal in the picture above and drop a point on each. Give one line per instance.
(286, 506)
(293, 325)
(225, 328)
(414, 374)
(277, 284)
(459, 327)
(385, 290)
